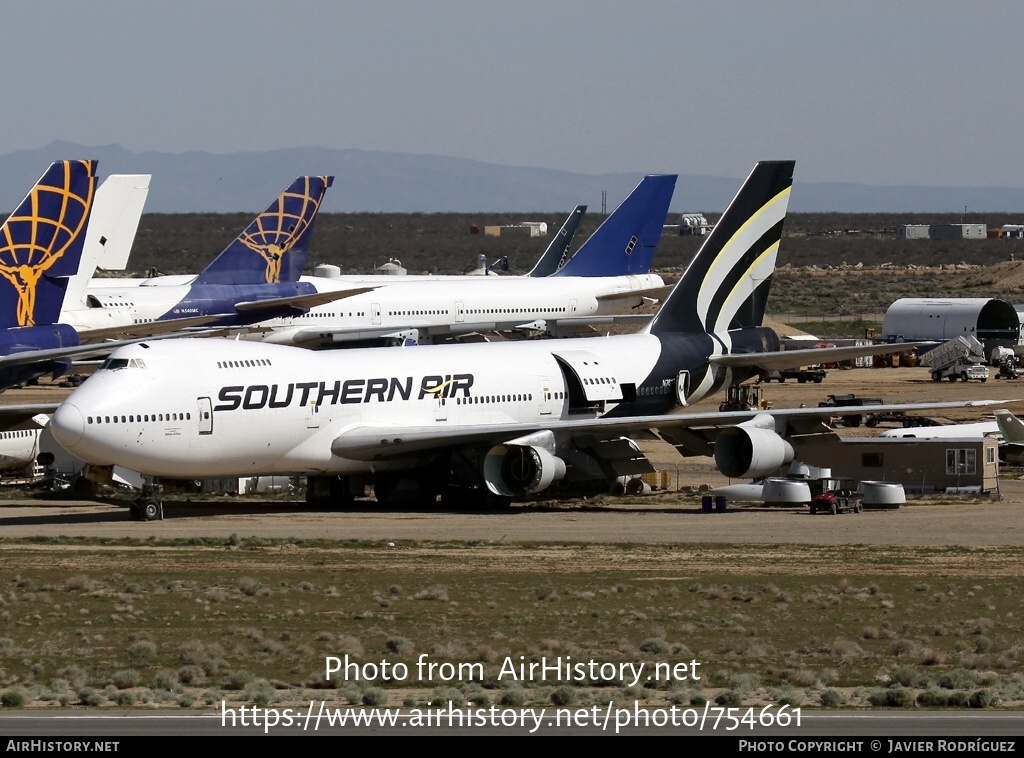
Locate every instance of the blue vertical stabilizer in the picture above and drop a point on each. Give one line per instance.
(626, 241)
(274, 247)
(41, 244)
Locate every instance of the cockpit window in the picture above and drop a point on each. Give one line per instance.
(113, 364)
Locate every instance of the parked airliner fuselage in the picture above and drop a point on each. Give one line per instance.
(459, 306)
(228, 394)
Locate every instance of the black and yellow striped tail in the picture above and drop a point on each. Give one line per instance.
(726, 285)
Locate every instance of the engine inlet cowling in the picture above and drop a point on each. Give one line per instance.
(742, 452)
(521, 469)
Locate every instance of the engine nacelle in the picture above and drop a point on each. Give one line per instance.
(746, 451)
(521, 469)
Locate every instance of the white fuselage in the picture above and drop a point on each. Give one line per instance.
(455, 306)
(124, 304)
(205, 408)
(436, 306)
(18, 448)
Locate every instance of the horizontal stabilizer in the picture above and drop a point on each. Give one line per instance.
(655, 293)
(783, 359)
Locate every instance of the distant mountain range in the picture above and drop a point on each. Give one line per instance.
(368, 181)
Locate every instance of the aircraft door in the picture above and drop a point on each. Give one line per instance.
(460, 311)
(546, 397)
(375, 313)
(682, 386)
(313, 416)
(205, 415)
(440, 409)
(572, 306)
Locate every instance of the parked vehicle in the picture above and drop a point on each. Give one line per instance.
(962, 358)
(803, 375)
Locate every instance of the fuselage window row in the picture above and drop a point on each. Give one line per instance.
(141, 418)
(244, 364)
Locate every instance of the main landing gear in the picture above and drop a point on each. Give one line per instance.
(332, 492)
(147, 506)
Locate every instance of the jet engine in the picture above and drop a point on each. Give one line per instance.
(521, 469)
(751, 449)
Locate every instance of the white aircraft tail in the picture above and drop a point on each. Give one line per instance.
(116, 211)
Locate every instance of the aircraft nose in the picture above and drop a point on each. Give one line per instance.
(67, 425)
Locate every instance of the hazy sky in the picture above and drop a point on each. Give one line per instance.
(877, 92)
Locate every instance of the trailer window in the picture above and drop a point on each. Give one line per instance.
(960, 461)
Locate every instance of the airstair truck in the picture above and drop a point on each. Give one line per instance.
(961, 358)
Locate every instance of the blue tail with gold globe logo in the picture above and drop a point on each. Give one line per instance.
(41, 244)
(274, 247)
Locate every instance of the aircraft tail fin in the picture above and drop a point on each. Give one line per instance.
(41, 244)
(274, 247)
(625, 243)
(116, 211)
(726, 284)
(557, 254)
(1011, 427)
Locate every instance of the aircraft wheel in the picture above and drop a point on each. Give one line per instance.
(152, 510)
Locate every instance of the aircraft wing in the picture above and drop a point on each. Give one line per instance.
(772, 361)
(366, 442)
(99, 348)
(12, 415)
(300, 301)
(149, 329)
